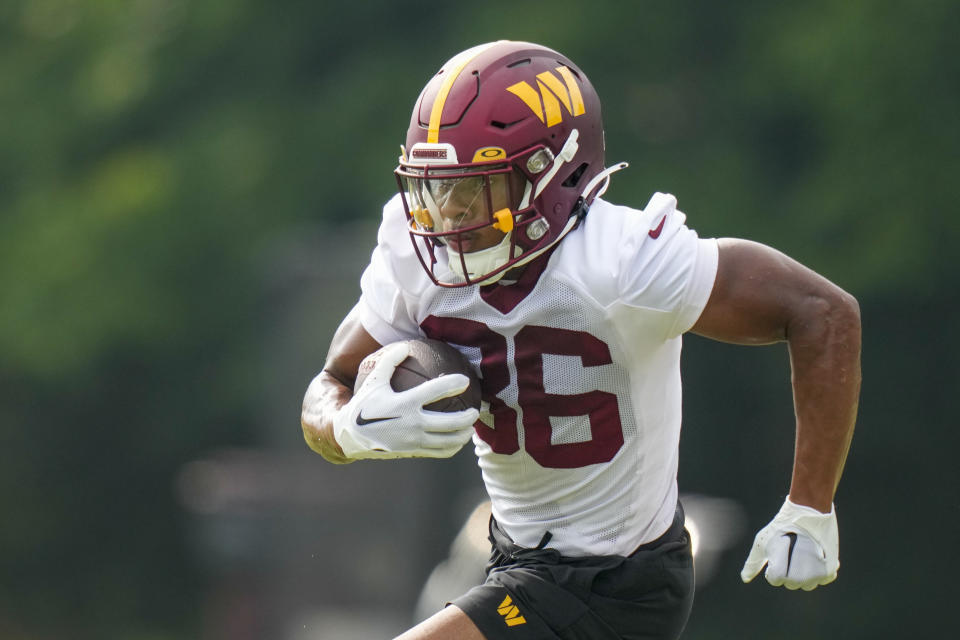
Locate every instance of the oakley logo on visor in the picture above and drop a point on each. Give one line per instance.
(486, 154)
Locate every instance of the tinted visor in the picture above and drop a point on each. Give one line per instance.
(472, 195)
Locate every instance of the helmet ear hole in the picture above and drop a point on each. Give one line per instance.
(574, 177)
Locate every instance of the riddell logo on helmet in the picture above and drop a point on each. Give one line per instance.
(551, 92)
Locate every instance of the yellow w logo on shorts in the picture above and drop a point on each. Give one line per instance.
(511, 615)
(551, 92)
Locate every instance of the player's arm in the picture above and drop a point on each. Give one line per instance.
(332, 388)
(762, 296)
(376, 422)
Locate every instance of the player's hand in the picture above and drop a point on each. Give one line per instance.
(379, 422)
(800, 548)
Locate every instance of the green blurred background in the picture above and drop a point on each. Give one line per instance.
(189, 191)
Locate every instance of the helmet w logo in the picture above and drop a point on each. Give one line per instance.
(550, 93)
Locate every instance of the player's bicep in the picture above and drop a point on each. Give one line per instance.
(350, 345)
(757, 293)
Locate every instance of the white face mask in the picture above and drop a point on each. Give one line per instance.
(483, 261)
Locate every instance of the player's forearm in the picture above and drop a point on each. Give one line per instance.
(825, 358)
(323, 398)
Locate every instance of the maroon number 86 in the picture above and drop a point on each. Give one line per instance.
(530, 344)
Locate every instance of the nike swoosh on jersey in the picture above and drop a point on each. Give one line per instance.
(655, 233)
(363, 421)
(793, 543)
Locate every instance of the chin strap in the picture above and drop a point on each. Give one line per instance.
(603, 176)
(573, 220)
(483, 261)
(569, 149)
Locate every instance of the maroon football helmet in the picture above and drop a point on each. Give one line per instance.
(515, 115)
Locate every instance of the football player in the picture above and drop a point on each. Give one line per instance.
(572, 309)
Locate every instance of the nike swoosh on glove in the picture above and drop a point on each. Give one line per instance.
(800, 548)
(380, 423)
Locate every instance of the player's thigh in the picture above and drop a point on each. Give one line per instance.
(448, 623)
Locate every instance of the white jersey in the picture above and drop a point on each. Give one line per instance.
(580, 364)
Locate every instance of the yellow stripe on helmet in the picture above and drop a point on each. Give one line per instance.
(453, 69)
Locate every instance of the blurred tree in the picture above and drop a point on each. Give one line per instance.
(157, 155)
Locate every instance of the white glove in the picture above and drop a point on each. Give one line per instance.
(800, 548)
(379, 422)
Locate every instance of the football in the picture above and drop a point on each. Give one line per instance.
(429, 359)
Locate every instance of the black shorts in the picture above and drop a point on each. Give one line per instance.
(536, 594)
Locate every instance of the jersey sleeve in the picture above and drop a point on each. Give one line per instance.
(665, 267)
(385, 308)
